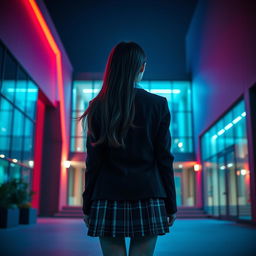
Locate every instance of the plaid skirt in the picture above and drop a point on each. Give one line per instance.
(127, 218)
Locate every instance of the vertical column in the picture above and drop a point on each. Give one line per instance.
(51, 164)
(39, 129)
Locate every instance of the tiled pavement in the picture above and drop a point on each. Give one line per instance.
(68, 237)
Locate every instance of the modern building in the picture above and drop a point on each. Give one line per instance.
(211, 95)
(36, 80)
(221, 57)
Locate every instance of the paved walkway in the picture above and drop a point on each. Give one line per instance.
(67, 237)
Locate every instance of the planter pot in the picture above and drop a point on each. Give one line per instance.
(9, 217)
(28, 215)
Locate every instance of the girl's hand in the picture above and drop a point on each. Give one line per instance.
(170, 219)
(86, 220)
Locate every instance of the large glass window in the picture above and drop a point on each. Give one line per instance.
(225, 166)
(177, 93)
(18, 97)
(6, 110)
(9, 77)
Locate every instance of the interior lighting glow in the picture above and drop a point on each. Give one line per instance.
(197, 167)
(165, 91)
(90, 90)
(214, 136)
(221, 131)
(243, 172)
(236, 119)
(67, 164)
(22, 90)
(228, 126)
(31, 163)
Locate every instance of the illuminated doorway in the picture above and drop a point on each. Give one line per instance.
(75, 183)
(185, 183)
(227, 183)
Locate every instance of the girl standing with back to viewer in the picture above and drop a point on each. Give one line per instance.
(129, 177)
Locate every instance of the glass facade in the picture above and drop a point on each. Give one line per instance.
(226, 171)
(82, 93)
(18, 97)
(178, 94)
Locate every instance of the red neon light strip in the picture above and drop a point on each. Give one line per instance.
(57, 52)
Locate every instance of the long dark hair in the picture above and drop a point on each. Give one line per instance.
(115, 101)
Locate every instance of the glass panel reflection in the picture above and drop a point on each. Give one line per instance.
(28, 142)
(3, 171)
(26, 175)
(181, 96)
(232, 186)
(21, 90)
(17, 135)
(18, 97)
(9, 77)
(1, 63)
(222, 185)
(215, 186)
(14, 172)
(225, 145)
(32, 92)
(177, 93)
(6, 112)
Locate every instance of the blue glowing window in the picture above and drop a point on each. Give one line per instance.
(177, 93)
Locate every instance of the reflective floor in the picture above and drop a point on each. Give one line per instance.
(66, 237)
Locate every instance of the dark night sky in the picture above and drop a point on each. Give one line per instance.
(89, 29)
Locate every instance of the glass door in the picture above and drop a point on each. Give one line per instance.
(232, 183)
(75, 184)
(177, 180)
(222, 186)
(227, 183)
(209, 187)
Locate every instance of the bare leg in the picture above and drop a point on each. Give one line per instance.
(142, 246)
(113, 246)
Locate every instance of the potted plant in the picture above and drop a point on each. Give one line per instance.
(22, 198)
(9, 212)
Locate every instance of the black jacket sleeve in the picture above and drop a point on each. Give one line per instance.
(93, 163)
(165, 158)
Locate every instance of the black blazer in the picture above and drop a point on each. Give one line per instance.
(144, 169)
